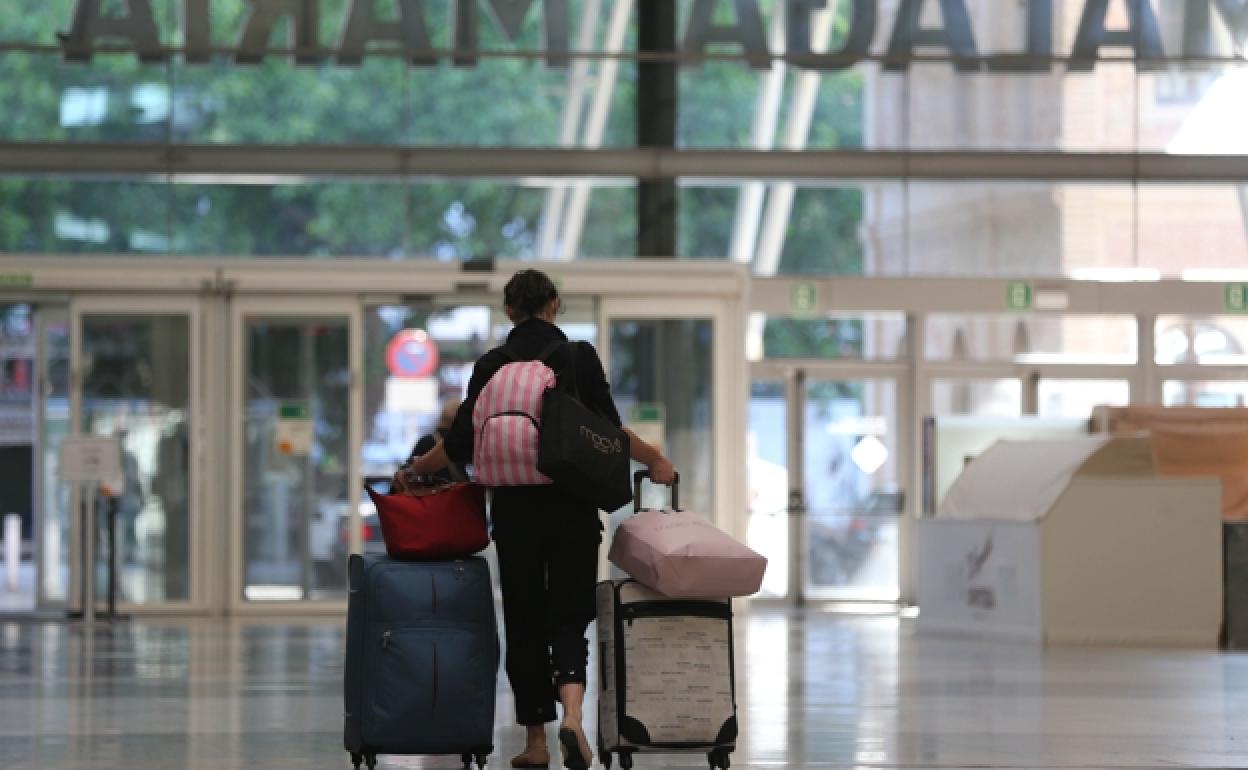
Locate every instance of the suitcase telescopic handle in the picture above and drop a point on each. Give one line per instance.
(644, 474)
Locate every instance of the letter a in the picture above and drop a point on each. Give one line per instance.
(138, 26)
(747, 32)
(955, 35)
(857, 42)
(1142, 34)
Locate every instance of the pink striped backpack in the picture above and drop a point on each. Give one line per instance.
(506, 422)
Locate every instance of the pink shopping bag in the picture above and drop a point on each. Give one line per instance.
(682, 555)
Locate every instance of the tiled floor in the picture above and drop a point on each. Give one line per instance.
(816, 690)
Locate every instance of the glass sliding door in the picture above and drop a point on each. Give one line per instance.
(136, 363)
(295, 445)
(852, 469)
(661, 380)
(674, 369)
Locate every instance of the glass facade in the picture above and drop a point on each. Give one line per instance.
(488, 92)
(512, 90)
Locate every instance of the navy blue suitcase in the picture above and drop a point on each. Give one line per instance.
(422, 659)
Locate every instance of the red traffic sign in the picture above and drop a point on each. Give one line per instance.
(412, 353)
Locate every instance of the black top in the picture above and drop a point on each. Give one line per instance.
(527, 341)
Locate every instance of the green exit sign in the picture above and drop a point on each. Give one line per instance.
(293, 411)
(1018, 295)
(803, 298)
(1237, 298)
(647, 413)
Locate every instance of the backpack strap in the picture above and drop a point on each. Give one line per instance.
(569, 378)
(507, 353)
(550, 349)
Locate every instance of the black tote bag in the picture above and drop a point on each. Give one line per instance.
(581, 451)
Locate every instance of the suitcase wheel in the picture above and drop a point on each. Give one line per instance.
(481, 760)
(626, 760)
(720, 759)
(370, 760)
(356, 760)
(606, 757)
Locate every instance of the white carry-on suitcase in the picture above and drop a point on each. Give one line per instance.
(666, 675)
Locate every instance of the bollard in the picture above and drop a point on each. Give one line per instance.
(12, 549)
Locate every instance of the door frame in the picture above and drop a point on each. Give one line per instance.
(47, 314)
(796, 373)
(730, 390)
(350, 308)
(140, 305)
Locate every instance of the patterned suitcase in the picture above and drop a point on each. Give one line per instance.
(666, 675)
(422, 659)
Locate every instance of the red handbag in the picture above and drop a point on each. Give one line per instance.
(433, 523)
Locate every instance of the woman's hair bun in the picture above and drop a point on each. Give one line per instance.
(529, 291)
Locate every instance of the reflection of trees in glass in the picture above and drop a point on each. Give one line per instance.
(497, 103)
(717, 105)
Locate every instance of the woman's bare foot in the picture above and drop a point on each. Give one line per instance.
(535, 754)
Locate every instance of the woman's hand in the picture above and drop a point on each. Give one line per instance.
(431, 462)
(660, 468)
(662, 471)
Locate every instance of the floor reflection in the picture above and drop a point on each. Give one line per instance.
(815, 690)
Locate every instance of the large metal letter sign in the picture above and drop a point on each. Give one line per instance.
(138, 26)
(747, 32)
(1206, 26)
(1141, 33)
(955, 35)
(259, 28)
(362, 26)
(857, 42)
(509, 17)
(198, 31)
(1198, 25)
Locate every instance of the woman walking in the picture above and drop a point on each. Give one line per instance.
(547, 540)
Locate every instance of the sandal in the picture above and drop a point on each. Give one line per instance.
(575, 747)
(523, 761)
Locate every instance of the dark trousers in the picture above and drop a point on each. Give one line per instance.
(547, 563)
